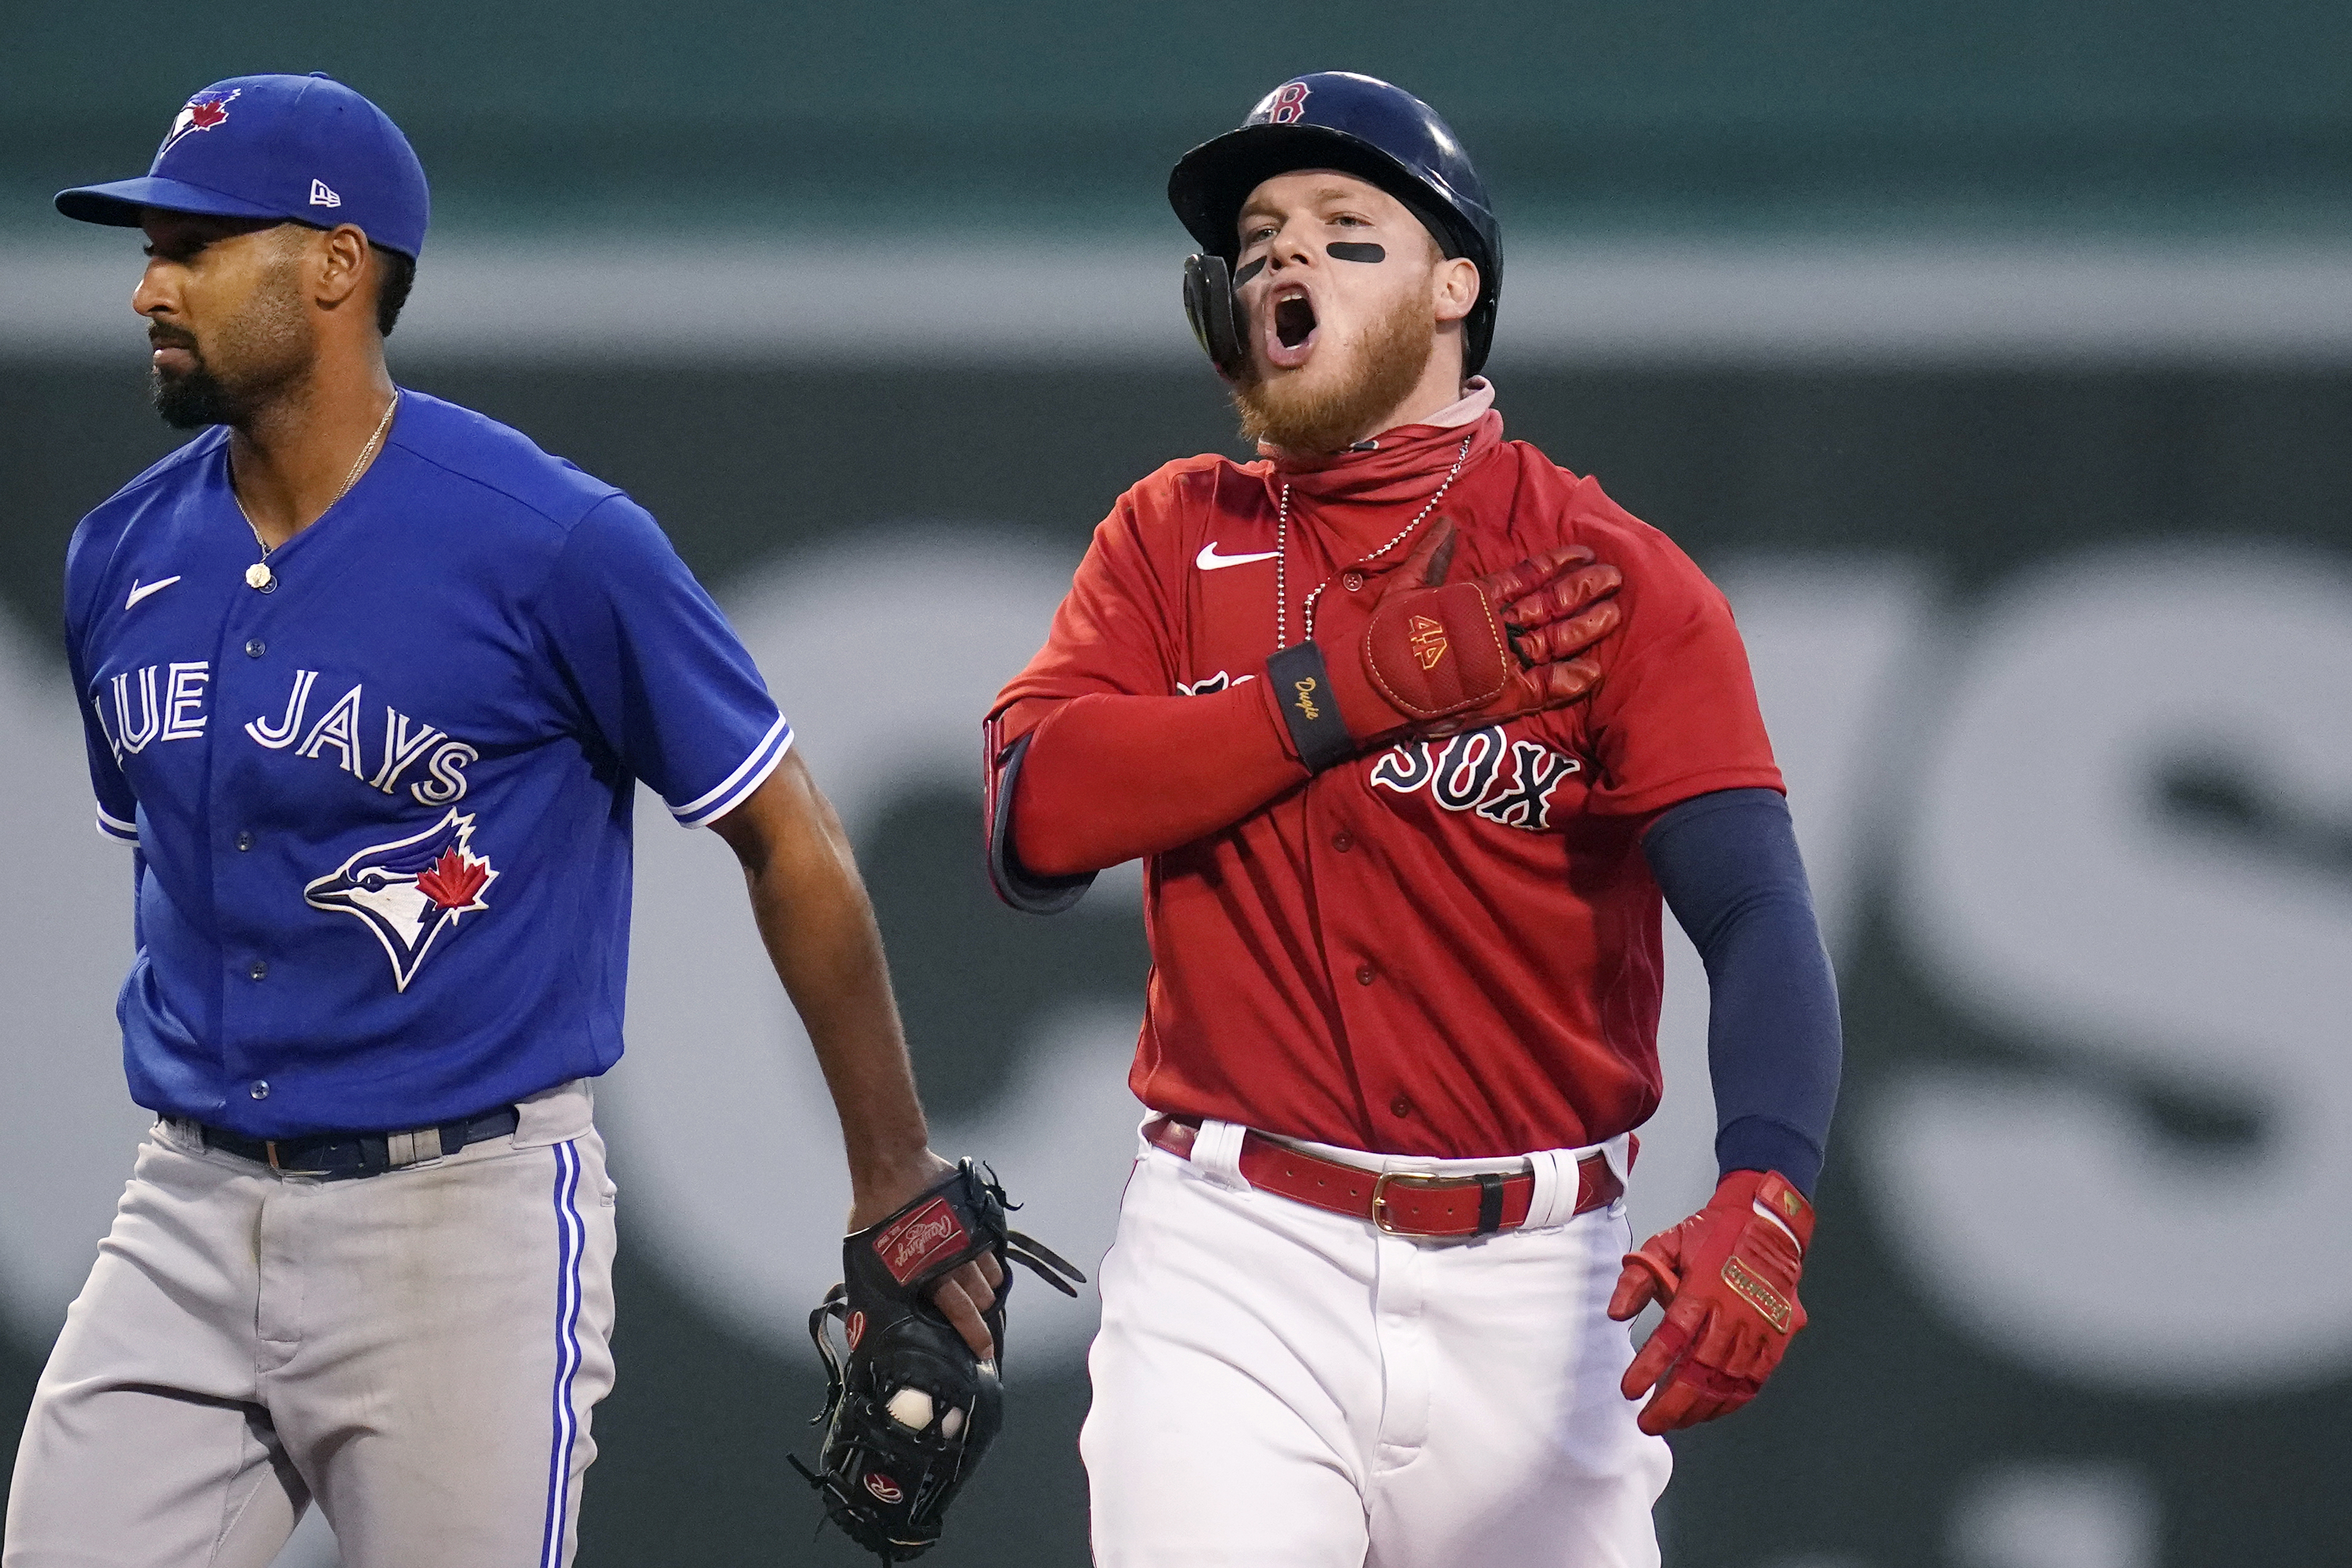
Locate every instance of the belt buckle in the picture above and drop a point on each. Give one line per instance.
(1428, 1179)
(270, 1147)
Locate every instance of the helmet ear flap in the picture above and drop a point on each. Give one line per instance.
(1216, 314)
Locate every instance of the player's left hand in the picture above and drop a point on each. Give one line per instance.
(966, 1294)
(1728, 1278)
(911, 1407)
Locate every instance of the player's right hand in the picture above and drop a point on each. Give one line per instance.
(1438, 656)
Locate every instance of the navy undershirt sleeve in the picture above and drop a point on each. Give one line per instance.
(1729, 865)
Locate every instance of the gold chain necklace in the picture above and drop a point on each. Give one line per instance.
(1282, 555)
(258, 576)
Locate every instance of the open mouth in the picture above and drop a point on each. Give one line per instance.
(1294, 318)
(1292, 328)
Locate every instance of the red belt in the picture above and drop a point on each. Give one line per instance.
(1402, 1203)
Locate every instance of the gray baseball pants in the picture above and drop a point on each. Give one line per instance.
(418, 1352)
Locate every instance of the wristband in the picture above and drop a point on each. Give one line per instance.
(1302, 689)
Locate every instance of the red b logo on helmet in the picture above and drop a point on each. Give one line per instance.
(1287, 104)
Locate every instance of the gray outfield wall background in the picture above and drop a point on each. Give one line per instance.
(2057, 659)
(2163, 116)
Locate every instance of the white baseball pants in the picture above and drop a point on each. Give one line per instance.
(419, 1351)
(1279, 1387)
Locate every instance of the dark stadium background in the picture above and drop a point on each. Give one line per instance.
(1978, 479)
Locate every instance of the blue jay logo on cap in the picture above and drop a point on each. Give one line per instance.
(201, 112)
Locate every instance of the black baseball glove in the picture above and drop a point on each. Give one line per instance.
(909, 1410)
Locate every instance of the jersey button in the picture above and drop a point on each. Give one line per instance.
(255, 648)
(1401, 1106)
(260, 970)
(245, 841)
(260, 1089)
(1343, 842)
(1363, 974)
(1352, 581)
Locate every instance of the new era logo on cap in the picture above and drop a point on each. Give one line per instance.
(323, 197)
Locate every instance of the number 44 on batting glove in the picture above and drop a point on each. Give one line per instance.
(1727, 1276)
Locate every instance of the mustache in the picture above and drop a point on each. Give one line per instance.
(161, 336)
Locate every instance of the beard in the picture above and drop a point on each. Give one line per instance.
(192, 399)
(262, 353)
(1382, 365)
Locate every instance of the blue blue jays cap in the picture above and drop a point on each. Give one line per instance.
(304, 148)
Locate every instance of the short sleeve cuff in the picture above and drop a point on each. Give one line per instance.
(737, 787)
(115, 828)
(1673, 791)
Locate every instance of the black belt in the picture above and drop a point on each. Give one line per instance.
(339, 1155)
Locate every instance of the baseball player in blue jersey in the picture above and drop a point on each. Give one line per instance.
(369, 681)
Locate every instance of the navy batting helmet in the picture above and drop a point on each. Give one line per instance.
(1362, 126)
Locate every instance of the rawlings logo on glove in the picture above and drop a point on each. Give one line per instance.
(906, 1246)
(1728, 1278)
(909, 1410)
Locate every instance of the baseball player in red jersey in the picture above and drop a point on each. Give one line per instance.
(1412, 730)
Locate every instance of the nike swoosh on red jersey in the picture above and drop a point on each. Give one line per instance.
(140, 590)
(1209, 560)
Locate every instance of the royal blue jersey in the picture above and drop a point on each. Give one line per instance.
(383, 810)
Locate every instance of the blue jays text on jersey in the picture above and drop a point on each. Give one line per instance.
(382, 811)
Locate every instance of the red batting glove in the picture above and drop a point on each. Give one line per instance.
(1729, 1277)
(1437, 657)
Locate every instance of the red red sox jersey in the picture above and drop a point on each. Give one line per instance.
(1448, 947)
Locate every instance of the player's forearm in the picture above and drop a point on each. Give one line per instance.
(1729, 867)
(819, 930)
(1108, 778)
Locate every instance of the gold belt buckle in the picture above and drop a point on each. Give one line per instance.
(1381, 1200)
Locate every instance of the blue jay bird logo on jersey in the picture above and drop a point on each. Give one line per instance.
(409, 891)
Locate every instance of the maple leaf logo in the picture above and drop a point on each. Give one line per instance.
(204, 116)
(454, 880)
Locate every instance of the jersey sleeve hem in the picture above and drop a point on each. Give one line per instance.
(737, 787)
(1658, 797)
(1015, 883)
(115, 829)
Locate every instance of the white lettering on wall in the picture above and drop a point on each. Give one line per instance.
(2133, 949)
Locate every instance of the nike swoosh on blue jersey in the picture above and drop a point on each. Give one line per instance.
(1209, 560)
(140, 591)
